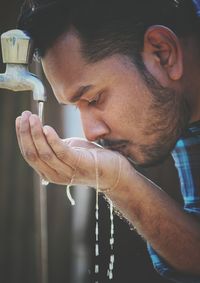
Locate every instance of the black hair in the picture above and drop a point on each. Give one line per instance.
(105, 27)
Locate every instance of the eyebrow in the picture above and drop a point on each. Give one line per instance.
(79, 93)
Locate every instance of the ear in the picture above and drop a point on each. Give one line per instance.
(162, 54)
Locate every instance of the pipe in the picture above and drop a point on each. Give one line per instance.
(17, 54)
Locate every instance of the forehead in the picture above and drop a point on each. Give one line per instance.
(64, 54)
(67, 70)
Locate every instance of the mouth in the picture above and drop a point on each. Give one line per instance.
(119, 146)
(114, 145)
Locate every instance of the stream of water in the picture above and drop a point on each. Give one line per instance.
(43, 216)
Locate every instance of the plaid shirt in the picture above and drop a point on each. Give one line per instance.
(186, 155)
(197, 6)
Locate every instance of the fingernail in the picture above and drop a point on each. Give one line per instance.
(26, 113)
(45, 130)
(32, 120)
(18, 119)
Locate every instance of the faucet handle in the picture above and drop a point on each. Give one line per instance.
(16, 47)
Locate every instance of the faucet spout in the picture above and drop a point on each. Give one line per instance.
(16, 53)
(18, 78)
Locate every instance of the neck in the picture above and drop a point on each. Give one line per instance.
(191, 77)
(194, 99)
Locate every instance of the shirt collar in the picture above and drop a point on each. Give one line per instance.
(197, 6)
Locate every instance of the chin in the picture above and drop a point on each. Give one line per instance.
(145, 156)
(144, 163)
(145, 160)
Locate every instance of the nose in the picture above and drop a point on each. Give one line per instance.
(94, 127)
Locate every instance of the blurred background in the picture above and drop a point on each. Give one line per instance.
(70, 231)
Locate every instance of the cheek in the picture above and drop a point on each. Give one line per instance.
(134, 113)
(121, 118)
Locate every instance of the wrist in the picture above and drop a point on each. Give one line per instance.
(124, 177)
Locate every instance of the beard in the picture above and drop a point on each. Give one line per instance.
(168, 119)
(169, 116)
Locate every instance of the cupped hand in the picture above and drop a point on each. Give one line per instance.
(61, 161)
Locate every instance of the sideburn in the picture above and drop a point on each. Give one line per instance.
(170, 115)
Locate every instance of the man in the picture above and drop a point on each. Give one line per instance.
(132, 69)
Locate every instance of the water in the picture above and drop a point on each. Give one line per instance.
(96, 213)
(112, 256)
(43, 216)
(111, 263)
(96, 269)
(40, 110)
(44, 182)
(68, 193)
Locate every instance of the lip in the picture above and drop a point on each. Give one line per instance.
(114, 145)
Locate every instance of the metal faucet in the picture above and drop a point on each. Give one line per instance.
(17, 53)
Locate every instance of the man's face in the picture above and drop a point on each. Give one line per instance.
(115, 104)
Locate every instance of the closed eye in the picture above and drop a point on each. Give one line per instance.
(95, 100)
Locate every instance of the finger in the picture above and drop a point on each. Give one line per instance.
(80, 143)
(45, 152)
(17, 126)
(63, 151)
(30, 154)
(27, 146)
